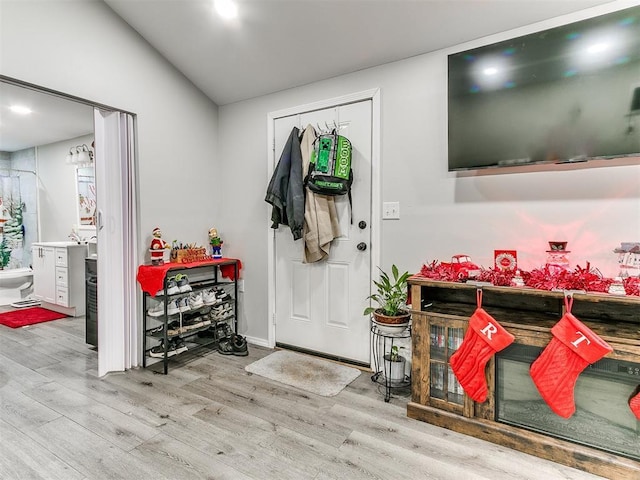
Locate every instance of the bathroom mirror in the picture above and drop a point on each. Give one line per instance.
(86, 198)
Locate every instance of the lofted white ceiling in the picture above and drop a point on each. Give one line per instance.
(274, 45)
(52, 119)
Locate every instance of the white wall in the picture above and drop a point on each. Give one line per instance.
(441, 214)
(57, 201)
(80, 47)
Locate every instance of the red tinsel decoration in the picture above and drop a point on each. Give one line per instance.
(586, 279)
(436, 271)
(632, 286)
(497, 277)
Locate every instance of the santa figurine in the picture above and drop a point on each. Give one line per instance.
(216, 243)
(157, 247)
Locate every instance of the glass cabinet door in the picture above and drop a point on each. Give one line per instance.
(445, 339)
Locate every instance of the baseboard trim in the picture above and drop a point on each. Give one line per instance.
(260, 342)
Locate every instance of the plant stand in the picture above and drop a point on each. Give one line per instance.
(382, 341)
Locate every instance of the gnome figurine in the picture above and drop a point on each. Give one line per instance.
(157, 247)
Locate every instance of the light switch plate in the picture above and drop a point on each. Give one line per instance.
(391, 211)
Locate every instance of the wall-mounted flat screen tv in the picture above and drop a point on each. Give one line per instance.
(567, 94)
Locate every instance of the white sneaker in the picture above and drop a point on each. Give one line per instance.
(183, 283)
(209, 297)
(172, 287)
(222, 312)
(222, 295)
(156, 311)
(195, 300)
(184, 304)
(174, 307)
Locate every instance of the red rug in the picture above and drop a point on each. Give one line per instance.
(28, 316)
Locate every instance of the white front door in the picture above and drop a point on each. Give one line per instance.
(319, 306)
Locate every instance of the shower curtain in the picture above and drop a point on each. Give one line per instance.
(11, 227)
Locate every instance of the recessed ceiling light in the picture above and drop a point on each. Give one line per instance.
(490, 71)
(20, 109)
(227, 9)
(598, 47)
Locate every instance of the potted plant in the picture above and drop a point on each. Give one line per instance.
(394, 365)
(391, 298)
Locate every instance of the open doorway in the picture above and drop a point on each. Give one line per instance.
(39, 180)
(77, 146)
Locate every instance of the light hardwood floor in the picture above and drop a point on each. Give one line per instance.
(210, 419)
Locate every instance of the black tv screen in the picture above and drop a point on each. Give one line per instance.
(567, 94)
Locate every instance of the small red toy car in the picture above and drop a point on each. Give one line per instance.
(463, 266)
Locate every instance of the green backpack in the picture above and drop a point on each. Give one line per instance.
(330, 166)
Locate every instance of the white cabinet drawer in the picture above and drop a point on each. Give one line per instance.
(61, 257)
(62, 296)
(62, 277)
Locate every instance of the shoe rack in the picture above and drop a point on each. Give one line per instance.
(196, 308)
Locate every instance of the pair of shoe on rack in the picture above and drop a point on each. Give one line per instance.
(174, 307)
(215, 296)
(233, 345)
(219, 331)
(174, 347)
(221, 312)
(177, 284)
(172, 330)
(178, 305)
(195, 322)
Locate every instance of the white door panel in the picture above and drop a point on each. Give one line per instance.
(319, 306)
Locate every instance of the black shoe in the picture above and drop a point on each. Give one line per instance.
(208, 333)
(223, 331)
(158, 350)
(156, 331)
(178, 345)
(195, 322)
(235, 345)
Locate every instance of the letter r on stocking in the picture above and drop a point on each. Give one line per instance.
(489, 330)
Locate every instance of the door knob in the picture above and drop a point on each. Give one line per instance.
(362, 246)
(362, 224)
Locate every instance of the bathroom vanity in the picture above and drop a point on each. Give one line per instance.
(58, 276)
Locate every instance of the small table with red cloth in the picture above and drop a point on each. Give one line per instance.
(153, 278)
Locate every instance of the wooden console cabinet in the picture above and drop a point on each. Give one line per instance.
(440, 313)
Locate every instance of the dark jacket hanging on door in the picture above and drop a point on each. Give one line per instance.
(286, 191)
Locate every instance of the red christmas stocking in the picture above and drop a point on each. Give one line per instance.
(484, 337)
(556, 370)
(634, 402)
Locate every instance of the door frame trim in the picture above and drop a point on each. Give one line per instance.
(376, 205)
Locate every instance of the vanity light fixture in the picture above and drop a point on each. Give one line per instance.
(227, 9)
(20, 110)
(80, 155)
